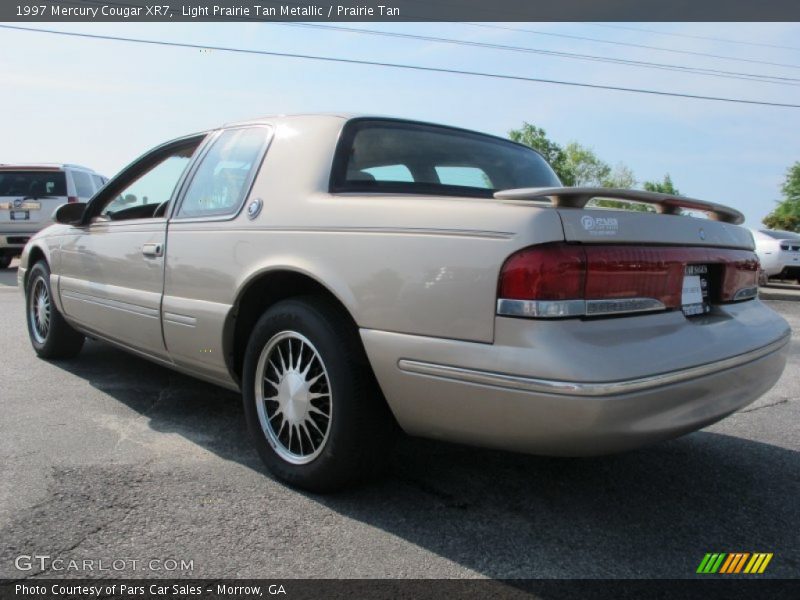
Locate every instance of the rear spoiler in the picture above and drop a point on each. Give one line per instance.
(578, 197)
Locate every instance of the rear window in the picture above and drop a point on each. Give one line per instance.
(414, 158)
(33, 184)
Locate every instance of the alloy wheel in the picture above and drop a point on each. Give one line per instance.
(293, 397)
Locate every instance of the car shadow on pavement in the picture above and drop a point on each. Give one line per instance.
(8, 278)
(654, 512)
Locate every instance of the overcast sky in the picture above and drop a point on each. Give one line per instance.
(102, 103)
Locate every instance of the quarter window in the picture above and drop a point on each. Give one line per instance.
(223, 178)
(83, 185)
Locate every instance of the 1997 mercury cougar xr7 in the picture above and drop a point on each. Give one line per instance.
(356, 276)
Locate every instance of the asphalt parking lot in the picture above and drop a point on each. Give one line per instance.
(109, 457)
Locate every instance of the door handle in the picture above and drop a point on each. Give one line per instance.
(152, 250)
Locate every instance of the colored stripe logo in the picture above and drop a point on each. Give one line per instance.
(733, 563)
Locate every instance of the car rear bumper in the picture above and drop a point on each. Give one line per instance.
(563, 416)
(15, 240)
(780, 262)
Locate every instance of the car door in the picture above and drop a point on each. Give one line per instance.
(112, 266)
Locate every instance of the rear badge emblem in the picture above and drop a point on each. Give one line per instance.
(17, 203)
(254, 208)
(702, 234)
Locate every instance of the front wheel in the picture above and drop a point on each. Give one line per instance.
(51, 336)
(312, 405)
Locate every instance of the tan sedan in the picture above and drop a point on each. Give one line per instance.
(354, 276)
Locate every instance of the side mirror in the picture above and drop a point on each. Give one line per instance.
(70, 213)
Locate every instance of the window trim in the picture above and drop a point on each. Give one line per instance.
(174, 216)
(337, 183)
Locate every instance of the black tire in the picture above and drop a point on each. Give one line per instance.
(5, 260)
(361, 428)
(59, 339)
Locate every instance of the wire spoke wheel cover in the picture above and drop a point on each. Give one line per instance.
(39, 311)
(293, 397)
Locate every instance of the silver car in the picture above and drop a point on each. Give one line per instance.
(778, 252)
(357, 276)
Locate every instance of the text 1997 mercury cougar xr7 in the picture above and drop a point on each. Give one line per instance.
(353, 275)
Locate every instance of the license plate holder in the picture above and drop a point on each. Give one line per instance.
(20, 215)
(694, 293)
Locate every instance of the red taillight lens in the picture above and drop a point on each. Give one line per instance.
(72, 199)
(546, 272)
(633, 272)
(741, 277)
(556, 278)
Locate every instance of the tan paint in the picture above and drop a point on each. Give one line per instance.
(419, 276)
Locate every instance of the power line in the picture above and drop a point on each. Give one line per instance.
(537, 32)
(562, 35)
(697, 37)
(559, 54)
(353, 61)
(632, 45)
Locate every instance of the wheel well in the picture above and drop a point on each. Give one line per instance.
(259, 295)
(36, 254)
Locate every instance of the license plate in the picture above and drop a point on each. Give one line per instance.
(29, 205)
(694, 293)
(20, 215)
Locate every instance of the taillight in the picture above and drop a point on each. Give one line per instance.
(547, 272)
(72, 199)
(564, 280)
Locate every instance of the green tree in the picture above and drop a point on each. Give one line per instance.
(621, 177)
(664, 186)
(536, 138)
(586, 168)
(787, 214)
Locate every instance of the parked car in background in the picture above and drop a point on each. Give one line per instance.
(30, 193)
(351, 275)
(778, 252)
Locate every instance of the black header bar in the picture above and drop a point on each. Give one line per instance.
(398, 10)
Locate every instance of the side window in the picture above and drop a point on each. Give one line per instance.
(221, 181)
(152, 189)
(83, 185)
(98, 181)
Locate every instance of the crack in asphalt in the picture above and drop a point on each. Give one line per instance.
(763, 406)
(162, 394)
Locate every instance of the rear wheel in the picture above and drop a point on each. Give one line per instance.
(311, 402)
(51, 336)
